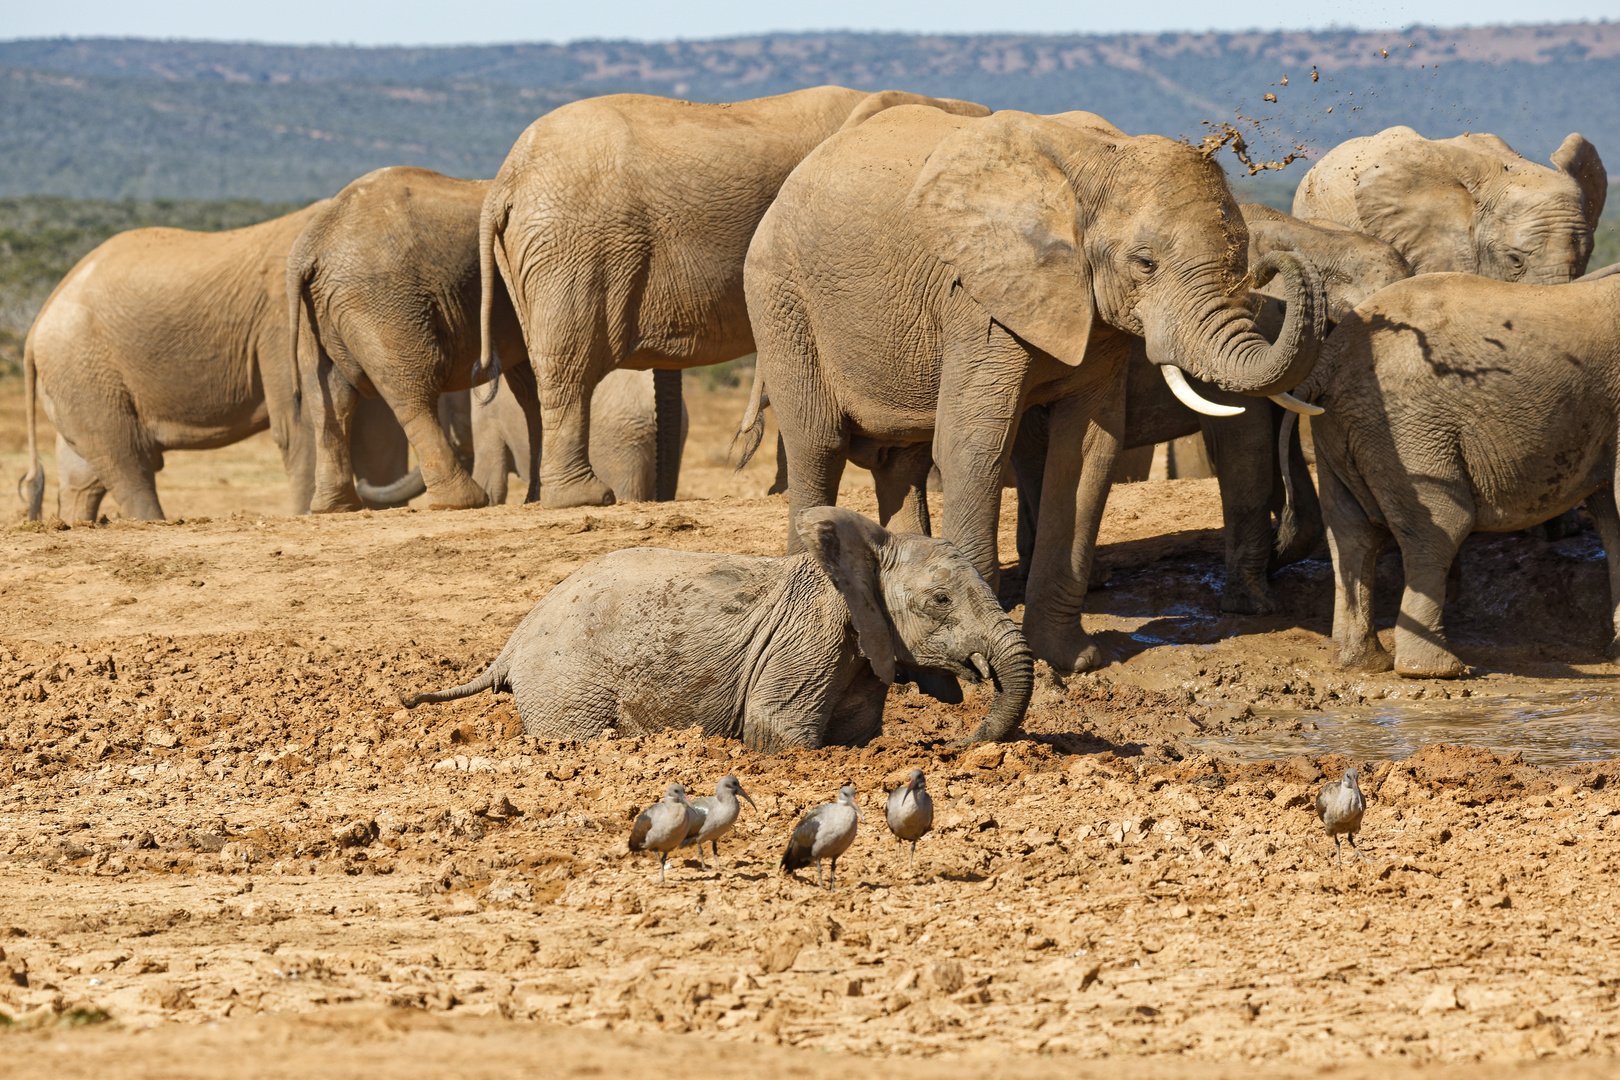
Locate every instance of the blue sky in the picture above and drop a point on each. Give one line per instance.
(438, 22)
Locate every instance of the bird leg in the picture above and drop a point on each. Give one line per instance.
(1357, 850)
(703, 859)
(1335, 849)
(913, 863)
(832, 876)
(818, 873)
(661, 858)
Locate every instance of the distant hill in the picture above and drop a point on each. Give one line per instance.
(120, 118)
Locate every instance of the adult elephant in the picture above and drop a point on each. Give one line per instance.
(1468, 204)
(162, 339)
(504, 437)
(1242, 446)
(620, 225)
(924, 278)
(383, 301)
(1457, 404)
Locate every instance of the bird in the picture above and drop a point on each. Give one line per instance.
(824, 833)
(1340, 807)
(662, 826)
(714, 816)
(910, 812)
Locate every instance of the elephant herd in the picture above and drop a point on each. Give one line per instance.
(928, 285)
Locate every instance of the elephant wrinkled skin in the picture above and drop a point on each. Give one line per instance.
(923, 278)
(620, 224)
(1455, 404)
(1467, 205)
(791, 651)
(382, 300)
(166, 339)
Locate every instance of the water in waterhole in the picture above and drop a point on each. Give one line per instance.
(1549, 729)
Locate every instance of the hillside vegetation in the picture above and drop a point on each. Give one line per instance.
(117, 118)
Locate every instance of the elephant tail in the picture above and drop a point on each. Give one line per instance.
(493, 678)
(752, 430)
(31, 488)
(300, 268)
(491, 225)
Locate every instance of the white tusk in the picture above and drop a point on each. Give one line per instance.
(980, 664)
(1185, 394)
(1293, 404)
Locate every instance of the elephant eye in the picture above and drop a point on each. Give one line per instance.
(942, 598)
(1145, 263)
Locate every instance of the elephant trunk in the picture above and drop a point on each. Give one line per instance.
(1012, 667)
(1241, 359)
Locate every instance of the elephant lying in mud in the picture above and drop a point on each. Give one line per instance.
(504, 438)
(1458, 404)
(166, 339)
(795, 650)
(924, 278)
(620, 225)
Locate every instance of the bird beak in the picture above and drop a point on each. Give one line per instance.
(858, 815)
(747, 796)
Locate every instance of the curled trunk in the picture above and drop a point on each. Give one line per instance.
(1237, 357)
(1013, 669)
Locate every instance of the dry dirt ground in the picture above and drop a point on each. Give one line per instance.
(218, 828)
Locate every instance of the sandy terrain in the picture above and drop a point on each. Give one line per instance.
(212, 809)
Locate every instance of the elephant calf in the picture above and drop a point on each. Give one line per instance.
(794, 650)
(1454, 404)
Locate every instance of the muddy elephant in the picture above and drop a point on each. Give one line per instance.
(791, 651)
(1458, 404)
(163, 339)
(383, 301)
(1468, 204)
(923, 278)
(619, 224)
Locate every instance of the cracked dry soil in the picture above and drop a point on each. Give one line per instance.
(218, 828)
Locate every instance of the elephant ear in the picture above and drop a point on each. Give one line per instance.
(1579, 159)
(872, 104)
(995, 203)
(1417, 200)
(846, 545)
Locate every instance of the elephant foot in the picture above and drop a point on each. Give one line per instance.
(1068, 650)
(1428, 662)
(555, 495)
(459, 493)
(1370, 658)
(1241, 598)
(336, 502)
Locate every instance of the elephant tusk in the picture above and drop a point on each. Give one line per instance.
(980, 664)
(1293, 404)
(1185, 394)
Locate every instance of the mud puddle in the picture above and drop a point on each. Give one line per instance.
(1547, 728)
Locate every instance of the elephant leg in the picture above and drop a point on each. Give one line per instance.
(1243, 451)
(79, 490)
(982, 382)
(492, 455)
(334, 468)
(1086, 433)
(1429, 540)
(901, 480)
(1029, 469)
(1355, 542)
(128, 467)
(566, 477)
(449, 487)
(817, 450)
(1601, 505)
(670, 438)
